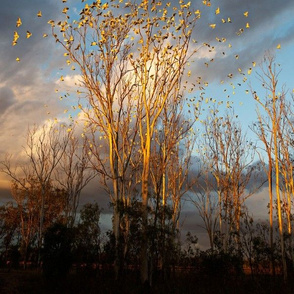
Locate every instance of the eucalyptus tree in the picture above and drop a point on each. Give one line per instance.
(230, 156)
(132, 58)
(273, 104)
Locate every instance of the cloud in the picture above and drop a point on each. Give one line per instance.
(6, 99)
(27, 86)
(270, 24)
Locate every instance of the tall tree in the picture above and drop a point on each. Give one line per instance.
(273, 106)
(74, 172)
(230, 156)
(130, 69)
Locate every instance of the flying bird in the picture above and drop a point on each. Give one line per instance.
(65, 9)
(29, 34)
(15, 38)
(18, 22)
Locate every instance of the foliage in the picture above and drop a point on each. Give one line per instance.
(57, 251)
(87, 235)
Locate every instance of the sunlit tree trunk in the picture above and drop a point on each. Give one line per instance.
(274, 109)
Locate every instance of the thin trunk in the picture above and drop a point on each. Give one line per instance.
(280, 219)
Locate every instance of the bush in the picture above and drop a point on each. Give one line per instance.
(57, 252)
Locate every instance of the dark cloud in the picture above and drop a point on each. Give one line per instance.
(7, 98)
(5, 196)
(32, 52)
(270, 24)
(26, 86)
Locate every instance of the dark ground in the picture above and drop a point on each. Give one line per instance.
(32, 282)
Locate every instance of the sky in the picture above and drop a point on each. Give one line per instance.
(27, 88)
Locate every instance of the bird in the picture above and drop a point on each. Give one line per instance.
(29, 34)
(18, 22)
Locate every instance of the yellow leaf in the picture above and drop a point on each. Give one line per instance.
(39, 14)
(17, 59)
(64, 10)
(212, 25)
(93, 44)
(247, 25)
(246, 13)
(45, 35)
(62, 78)
(249, 70)
(279, 46)
(217, 11)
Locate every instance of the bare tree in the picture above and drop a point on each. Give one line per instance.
(130, 68)
(273, 106)
(230, 156)
(43, 151)
(73, 173)
(206, 202)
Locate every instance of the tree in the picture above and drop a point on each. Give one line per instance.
(130, 69)
(28, 198)
(87, 237)
(229, 155)
(273, 105)
(207, 204)
(98, 43)
(9, 228)
(57, 251)
(73, 173)
(44, 149)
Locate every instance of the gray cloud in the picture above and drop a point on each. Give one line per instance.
(6, 99)
(26, 86)
(270, 24)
